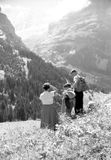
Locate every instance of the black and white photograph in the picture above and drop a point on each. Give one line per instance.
(55, 79)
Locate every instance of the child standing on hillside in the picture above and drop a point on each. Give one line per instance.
(68, 101)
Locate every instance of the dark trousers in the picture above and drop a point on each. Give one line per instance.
(78, 102)
(68, 110)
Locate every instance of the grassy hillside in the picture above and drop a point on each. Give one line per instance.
(84, 138)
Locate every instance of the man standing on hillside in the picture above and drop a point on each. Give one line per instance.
(78, 94)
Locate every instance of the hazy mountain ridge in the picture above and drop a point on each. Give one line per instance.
(82, 40)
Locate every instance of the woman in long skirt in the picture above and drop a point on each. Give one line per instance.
(49, 115)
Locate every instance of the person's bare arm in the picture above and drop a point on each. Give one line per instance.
(53, 88)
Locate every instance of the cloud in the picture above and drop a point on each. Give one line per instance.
(66, 6)
(31, 18)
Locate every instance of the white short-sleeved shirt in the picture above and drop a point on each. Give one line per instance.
(47, 97)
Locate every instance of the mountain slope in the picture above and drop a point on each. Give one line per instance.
(15, 58)
(82, 40)
(9, 45)
(25, 74)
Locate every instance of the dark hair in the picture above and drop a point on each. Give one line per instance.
(73, 71)
(46, 86)
(67, 85)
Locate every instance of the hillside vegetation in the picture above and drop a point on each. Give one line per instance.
(25, 74)
(85, 138)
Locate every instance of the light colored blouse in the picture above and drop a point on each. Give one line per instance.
(47, 97)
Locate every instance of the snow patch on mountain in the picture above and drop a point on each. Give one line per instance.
(2, 74)
(72, 52)
(26, 60)
(25, 63)
(2, 35)
(15, 52)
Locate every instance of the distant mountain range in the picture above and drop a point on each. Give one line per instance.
(82, 40)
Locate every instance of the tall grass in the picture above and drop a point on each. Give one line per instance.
(87, 137)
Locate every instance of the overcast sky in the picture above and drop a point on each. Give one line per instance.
(31, 17)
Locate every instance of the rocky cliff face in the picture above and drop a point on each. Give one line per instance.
(10, 47)
(82, 40)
